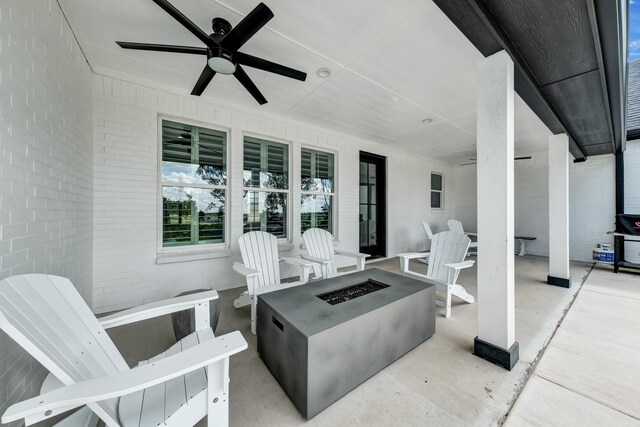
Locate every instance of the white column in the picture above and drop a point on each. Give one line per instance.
(496, 321)
(559, 210)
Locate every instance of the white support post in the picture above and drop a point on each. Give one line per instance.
(496, 302)
(559, 211)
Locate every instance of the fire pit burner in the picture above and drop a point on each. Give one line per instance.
(351, 292)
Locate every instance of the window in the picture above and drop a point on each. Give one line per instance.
(194, 185)
(437, 191)
(317, 186)
(265, 179)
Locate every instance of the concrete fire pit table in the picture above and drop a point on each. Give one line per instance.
(323, 339)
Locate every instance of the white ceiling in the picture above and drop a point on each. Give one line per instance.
(394, 64)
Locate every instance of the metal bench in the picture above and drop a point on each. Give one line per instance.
(522, 239)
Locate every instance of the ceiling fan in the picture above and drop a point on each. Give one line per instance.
(475, 161)
(222, 49)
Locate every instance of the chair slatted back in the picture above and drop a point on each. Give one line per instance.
(319, 244)
(47, 316)
(455, 225)
(259, 252)
(427, 229)
(446, 248)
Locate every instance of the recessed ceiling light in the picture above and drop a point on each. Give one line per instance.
(323, 72)
(427, 121)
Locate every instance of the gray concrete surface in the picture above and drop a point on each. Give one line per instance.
(589, 374)
(439, 382)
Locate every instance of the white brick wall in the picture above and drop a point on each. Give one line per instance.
(592, 205)
(591, 202)
(632, 193)
(46, 194)
(126, 191)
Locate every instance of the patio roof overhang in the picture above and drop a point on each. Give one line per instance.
(570, 62)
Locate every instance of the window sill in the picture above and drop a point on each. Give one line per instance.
(192, 255)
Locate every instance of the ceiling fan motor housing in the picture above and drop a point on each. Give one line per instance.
(221, 28)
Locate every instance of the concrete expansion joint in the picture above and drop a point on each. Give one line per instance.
(533, 365)
(587, 396)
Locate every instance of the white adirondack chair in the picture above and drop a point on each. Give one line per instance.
(260, 267)
(446, 259)
(319, 245)
(50, 320)
(455, 225)
(427, 229)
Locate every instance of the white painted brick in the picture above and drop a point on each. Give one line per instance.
(45, 153)
(126, 191)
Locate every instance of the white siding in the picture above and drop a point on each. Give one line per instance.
(126, 191)
(46, 194)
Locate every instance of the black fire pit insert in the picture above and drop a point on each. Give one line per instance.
(352, 292)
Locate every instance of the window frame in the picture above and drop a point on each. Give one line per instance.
(288, 191)
(193, 248)
(441, 191)
(333, 194)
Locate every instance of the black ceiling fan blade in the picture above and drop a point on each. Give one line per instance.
(186, 22)
(244, 79)
(163, 48)
(272, 67)
(250, 25)
(204, 79)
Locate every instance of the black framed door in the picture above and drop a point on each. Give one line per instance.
(373, 206)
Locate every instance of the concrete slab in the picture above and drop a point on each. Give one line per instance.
(439, 382)
(593, 359)
(543, 403)
(624, 284)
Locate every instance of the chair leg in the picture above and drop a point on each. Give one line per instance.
(254, 303)
(404, 264)
(447, 303)
(218, 393)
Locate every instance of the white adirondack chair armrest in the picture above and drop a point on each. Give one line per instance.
(352, 254)
(468, 233)
(244, 271)
(460, 265)
(297, 262)
(155, 309)
(413, 255)
(103, 388)
(315, 259)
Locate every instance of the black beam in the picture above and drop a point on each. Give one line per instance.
(613, 43)
(505, 42)
(618, 241)
(595, 30)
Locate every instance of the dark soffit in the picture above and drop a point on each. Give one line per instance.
(560, 63)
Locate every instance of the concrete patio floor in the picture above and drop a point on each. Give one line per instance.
(589, 374)
(439, 382)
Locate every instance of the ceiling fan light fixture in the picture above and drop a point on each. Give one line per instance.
(221, 61)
